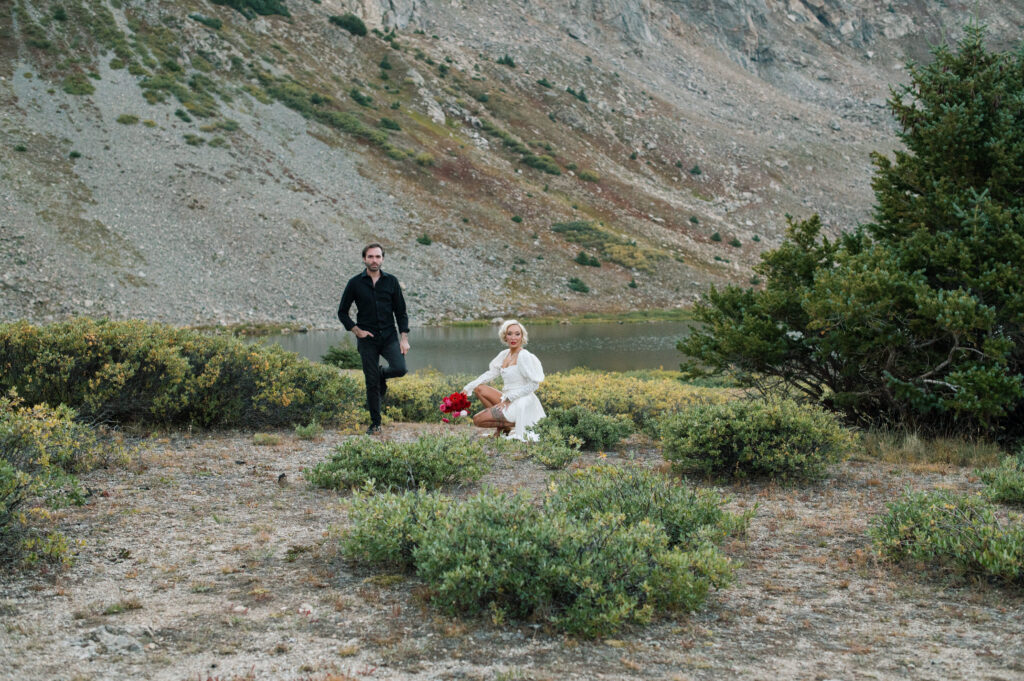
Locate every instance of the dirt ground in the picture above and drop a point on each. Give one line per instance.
(204, 565)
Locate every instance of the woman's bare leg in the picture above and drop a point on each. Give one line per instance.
(488, 395)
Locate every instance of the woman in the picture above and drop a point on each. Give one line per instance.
(515, 408)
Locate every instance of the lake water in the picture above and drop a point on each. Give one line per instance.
(467, 350)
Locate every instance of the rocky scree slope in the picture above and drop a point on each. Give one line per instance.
(193, 163)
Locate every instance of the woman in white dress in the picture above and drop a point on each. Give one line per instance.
(514, 409)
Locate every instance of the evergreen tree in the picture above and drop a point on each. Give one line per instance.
(917, 318)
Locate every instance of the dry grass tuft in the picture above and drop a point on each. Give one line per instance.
(929, 454)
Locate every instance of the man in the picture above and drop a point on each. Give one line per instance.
(380, 304)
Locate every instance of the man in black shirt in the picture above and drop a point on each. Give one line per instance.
(380, 304)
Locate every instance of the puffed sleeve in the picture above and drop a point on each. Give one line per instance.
(532, 371)
(493, 371)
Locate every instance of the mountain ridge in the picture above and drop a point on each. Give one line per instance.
(649, 128)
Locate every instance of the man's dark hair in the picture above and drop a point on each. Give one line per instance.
(369, 246)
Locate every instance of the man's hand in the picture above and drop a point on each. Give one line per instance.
(403, 343)
(360, 333)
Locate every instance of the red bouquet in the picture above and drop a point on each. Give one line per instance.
(455, 405)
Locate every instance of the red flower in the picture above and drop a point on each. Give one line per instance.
(455, 405)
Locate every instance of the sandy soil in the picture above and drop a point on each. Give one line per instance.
(204, 565)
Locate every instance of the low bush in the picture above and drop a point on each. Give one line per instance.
(350, 22)
(250, 8)
(310, 431)
(210, 22)
(595, 430)
(553, 449)
(359, 97)
(578, 285)
(589, 176)
(386, 528)
(586, 571)
(417, 396)
(583, 258)
(1005, 483)
(343, 355)
(41, 448)
(645, 401)
(429, 462)
(951, 532)
(781, 440)
(542, 162)
(688, 517)
(77, 84)
(145, 373)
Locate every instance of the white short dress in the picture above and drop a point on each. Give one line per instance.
(519, 383)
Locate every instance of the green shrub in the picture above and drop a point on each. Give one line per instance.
(343, 355)
(953, 532)
(424, 159)
(716, 237)
(588, 260)
(350, 22)
(127, 119)
(578, 285)
(210, 22)
(424, 239)
(1006, 483)
(385, 529)
(646, 401)
(734, 242)
(77, 84)
(311, 431)
(588, 176)
(360, 98)
(543, 82)
(250, 8)
(553, 448)
(687, 517)
(780, 439)
(506, 60)
(542, 162)
(586, 572)
(429, 462)
(417, 396)
(695, 170)
(41, 448)
(581, 95)
(139, 372)
(389, 124)
(595, 430)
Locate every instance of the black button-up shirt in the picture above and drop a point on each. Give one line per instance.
(378, 306)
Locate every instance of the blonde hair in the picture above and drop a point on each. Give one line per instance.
(503, 331)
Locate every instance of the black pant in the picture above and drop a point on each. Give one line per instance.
(371, 350)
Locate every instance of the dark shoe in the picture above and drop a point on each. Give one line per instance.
(383, 384)
(373, 430)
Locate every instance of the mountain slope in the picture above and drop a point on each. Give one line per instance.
(187, 162)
